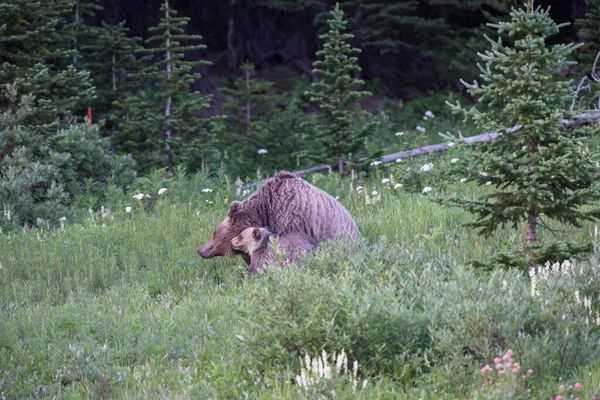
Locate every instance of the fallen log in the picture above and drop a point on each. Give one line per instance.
(591, 117)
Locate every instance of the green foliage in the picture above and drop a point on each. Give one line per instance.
(539, 167)
(337, 137)
(169, 108)
(42, 168)
(111, 59)
(265, 124)
(588, 90)
(117, 304)
(37, 52)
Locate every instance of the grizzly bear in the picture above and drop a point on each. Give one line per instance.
(255, 243)
(284, 204)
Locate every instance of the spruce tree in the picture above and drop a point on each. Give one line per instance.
(541, 169)
(338, 136)
(251, 100)
(112, 60)
(36, 50)
(589, 93)
(42, 169)
(173, 116)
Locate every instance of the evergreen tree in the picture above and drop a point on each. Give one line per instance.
(589, 93)
(251, 100)
(590, 28)
(338, 137)
(111, 60)
(540, 169)
(80, 30)
(36, 51)
(43, 168)
(173, 109)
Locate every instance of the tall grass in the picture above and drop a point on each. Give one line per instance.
(118, 305)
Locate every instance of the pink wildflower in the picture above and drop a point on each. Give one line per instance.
(561, 389)
(577, 386)
(515, 370)
(530, 371)
(559, 397)
(497, 360)
(486, 369)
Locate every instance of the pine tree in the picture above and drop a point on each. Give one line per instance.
(335, 94)
(590, 28)
(589, 88)
(251, 100)
(540, 169)
(80, 30)
(173, 119)
(43, 168)
(112, 60)
(36, 50)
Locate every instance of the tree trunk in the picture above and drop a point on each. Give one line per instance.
(113, 148)
(341, 164)
(114, 73)
(247, 102)
(168, 106)
(75, 34)
(231, 59)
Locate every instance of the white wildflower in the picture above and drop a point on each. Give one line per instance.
(375, 163)
(62, 221)
(385, 180)
(263, 151)
(398, 160)
(139, 196)
(482, 174)
(427, 189)
(451, 144)
(374, 193)
(420, 129)
(463, 180)
(39, 221)
(427, 167)
(148, 196)
(454, 160)
(161, 191)
(488, 183)
(429, 114)
(397, 185)
(127, 209)
(360, 189)
(399, 133)
(425, 118)
(206, 190)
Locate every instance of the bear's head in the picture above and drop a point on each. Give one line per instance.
(250, 240)
(220, 243)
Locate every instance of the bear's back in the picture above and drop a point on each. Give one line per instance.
(297, 206)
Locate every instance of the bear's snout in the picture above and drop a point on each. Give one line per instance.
(205, 250)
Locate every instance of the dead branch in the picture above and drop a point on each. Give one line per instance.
(591, 117)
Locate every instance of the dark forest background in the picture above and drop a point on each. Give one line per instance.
(411, 46)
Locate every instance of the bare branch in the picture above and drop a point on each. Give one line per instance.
(591, 117)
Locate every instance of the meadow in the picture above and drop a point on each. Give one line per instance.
(117, 304)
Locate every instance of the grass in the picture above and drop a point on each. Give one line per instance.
(121, 306)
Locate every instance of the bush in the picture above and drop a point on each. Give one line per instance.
(42, 168)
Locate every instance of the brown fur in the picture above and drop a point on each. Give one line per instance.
(255, 243)
(284, 204)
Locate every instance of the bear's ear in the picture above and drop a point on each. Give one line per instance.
(235, 207)
(256, 234)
